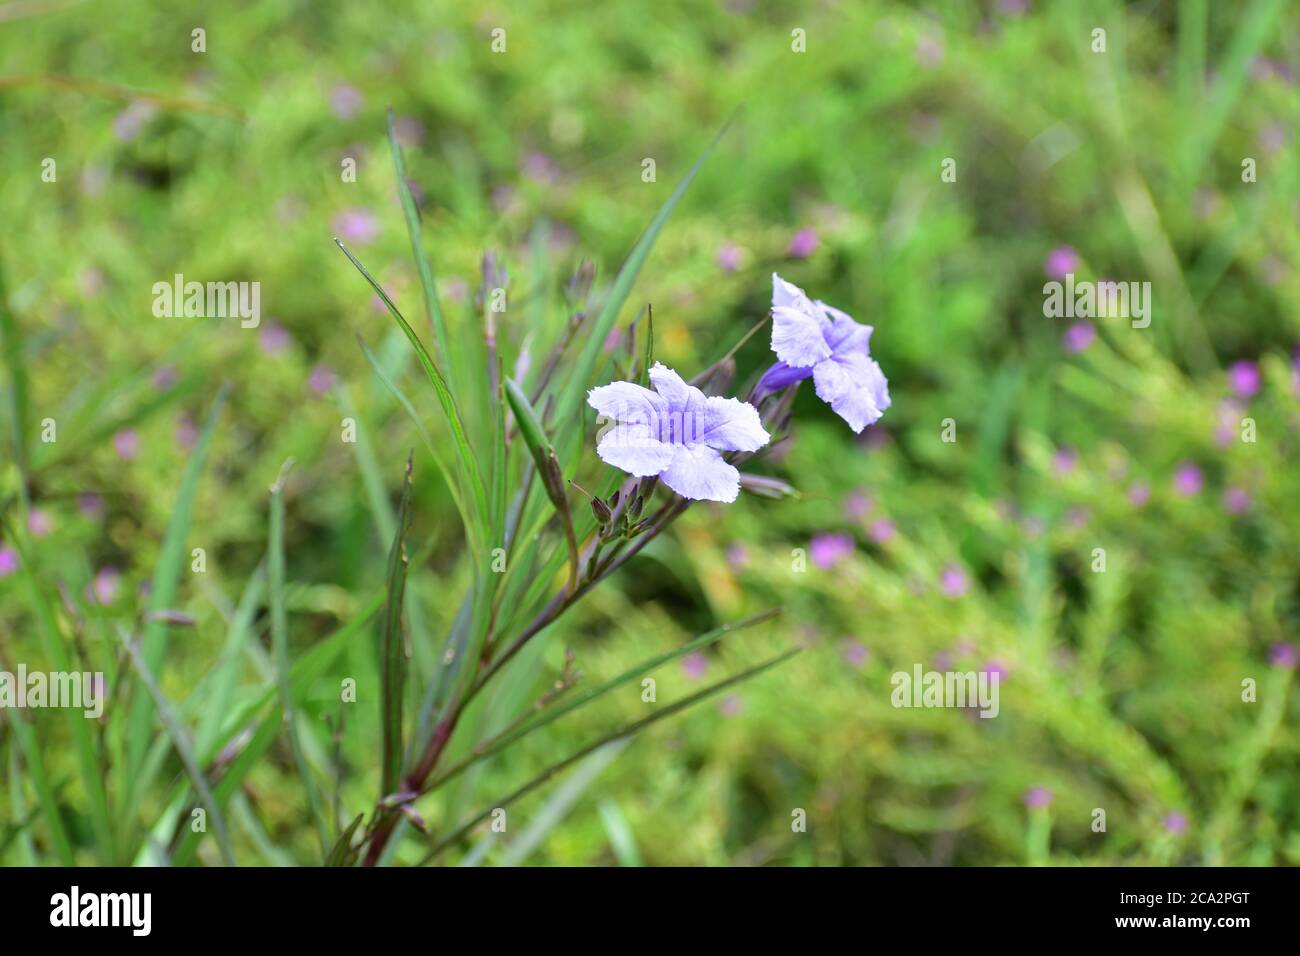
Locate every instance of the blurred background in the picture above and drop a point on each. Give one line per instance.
(1121, 689)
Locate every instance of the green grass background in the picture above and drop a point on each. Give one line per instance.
(1123, 688)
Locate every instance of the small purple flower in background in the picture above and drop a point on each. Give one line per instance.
(90, 505)
(1013, 8)
(104, 588)
(1036, 797)
(803, 243)
(1060, 262)
(409, 131)
(273, 338)
(322, 379)
(1078, 336)
(677, 433)
(186, 433)
(164, 378)
(737, 556)
(995, 668)
(357, 226)
(731, 706)
(539, 167)
(39, 523)
(1280, 655)
(881, 531)
(814, 340)
(828, 550)
(456, 290)
(855, 653)
(127, 444)
(1188, 479)
(1235, 500)
(8, 561)
(695, 666)
(929, 50)
(1175, 822)
(953, 582)
(1229, 417)
(611, 341)
(729, 257)
(1077, 516)
(346, 101)
(1272, 138)
(128, 123)
(1139, 493)
(1064, 461)
(857, 505)
(1243, 378)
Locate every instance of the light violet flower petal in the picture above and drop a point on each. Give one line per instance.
(778, 377)
(797, 337)
(680, 396)
(855, 387)
(787, 295)
(634, 449)
(626, 402)
(732, 425)
(846, 334)
(698, 472)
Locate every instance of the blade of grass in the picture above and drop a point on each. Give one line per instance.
(392, 649)
(627, 731)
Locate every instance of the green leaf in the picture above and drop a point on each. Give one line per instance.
(393, 650)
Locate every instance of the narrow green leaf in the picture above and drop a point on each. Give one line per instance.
(393, 649)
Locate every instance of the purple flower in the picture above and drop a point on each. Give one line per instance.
(1060, 262)
(881, 530)
(346, 101)
(1079, 336)
(995, 668)
(1038, 797)
(357, 226)
(812, 339)
(677, 433)
(322, 379)
(1064, 461)
(128, 123)
(737, 556)
(127, 443)
(39, 523)
(186, 433)
(803, 243)
(273, 339)
(1175, 822)
(695, 666)
(828, 550)
(1279, 655)
(1235, 500)
(953, 582)
(164, 378)
(731, 705)
(855, 653)
(1188, 479)
(1139, 493)
(105, 586)
(90, 504)
(729, 257)
(8, 561)
(1243, 378)
(857, 504)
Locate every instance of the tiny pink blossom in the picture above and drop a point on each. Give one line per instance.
(1188, 479)
(855, 653)
(322, 379)
(1243, 378)
(1064, 461)
(1235, 500)
(803, 243)
(695, 665)
(186, 433)
(1078, 336)
(127, 444)
(881, 530)
(731, 705)
(8, 561)
(993, 668)
(128, 123)
(737, 556)
(1175, 822)
(273, 338)
(1139, 493)
(929, 50)
(1060, 262)
(857, 505)
(39, 523)
(90, 504)
(357, 226)
(164, 377)
(828, 550)
(106, 585)
(346, 101)
(1036, 797)
(1284, 655)
(954, 582)
(729, 257)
